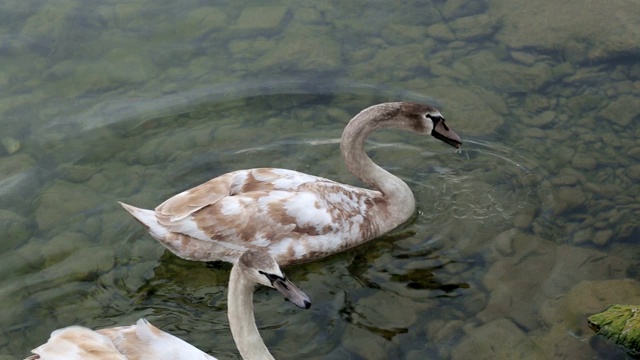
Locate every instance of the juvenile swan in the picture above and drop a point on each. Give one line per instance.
(297, 217)
(145, 341)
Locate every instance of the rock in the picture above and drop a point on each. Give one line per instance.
(474, 27)
(569, 313)
(513, 281)
(62, 203)
(503, 242)
(458, 8)
(507, 76)
(404, 56)
(565, 179)
(576, 263)
(16, 230)
(540, 120)
(622, 111)
(303, 48)
(441, 32)
(259, 20)
(62, 245)
(536, 103)
(379, 311)
(76, 173)
(18, 180)
(10, 145)
(402, 34)
(602, 237)
(569, 198)
(562, 26)
(583, 161)
(633, 172)
(499, 339)
(620, 324)
(354, 339)
(203, 20)
(582, 236)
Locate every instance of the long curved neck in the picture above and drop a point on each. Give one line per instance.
(241, 319)
(395, 191)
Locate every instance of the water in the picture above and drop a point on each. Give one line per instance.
(517, 238)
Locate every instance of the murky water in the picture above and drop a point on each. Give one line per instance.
(518, 237)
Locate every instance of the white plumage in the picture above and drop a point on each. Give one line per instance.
(296, 216)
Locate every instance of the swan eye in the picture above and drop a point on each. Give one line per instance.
(272, 277)
(437, 119)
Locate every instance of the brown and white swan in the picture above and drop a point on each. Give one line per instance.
(145, 341)
(297, 217)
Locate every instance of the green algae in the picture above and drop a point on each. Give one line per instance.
(620, 324)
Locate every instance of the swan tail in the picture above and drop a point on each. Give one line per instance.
(146, 218)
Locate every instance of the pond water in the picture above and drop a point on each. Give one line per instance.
(519, 237)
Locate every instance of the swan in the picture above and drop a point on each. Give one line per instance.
(145, 341)
(296, 216)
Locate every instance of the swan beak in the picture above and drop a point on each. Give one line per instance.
(444, 133)
(292, 292)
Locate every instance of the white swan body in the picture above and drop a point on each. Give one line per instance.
(145, 341)
(297, 217)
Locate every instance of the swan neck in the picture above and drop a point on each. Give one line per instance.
(352, 146)
(241, 318)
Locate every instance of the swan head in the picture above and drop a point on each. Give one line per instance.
(425, 119)
(259, 267)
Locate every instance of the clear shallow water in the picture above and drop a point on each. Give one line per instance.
(138, 101)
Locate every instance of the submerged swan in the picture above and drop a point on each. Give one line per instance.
(145, 341)
(297, 217)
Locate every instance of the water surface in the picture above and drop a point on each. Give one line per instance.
(517, 238)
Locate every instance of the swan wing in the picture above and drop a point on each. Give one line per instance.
(77, 343)
(260, 205)
(234, 201)
(145, 341)
(234, 183)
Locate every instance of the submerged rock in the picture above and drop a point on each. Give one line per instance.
(619, 323)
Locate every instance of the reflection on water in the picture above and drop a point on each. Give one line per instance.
(137, 101)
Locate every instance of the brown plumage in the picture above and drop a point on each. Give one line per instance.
(297, 217)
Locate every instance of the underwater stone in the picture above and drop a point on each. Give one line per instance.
(622, 111)
(204, 20)
(10, 145)
(570, 198)
(16, 229)
(259, 19)
(76, 173)
(441, 32)
(582, 236)
(302, 49)
(18, 179)
(633, 172)
(474, 27)
(402, 34)
(602, 237)
(456, 8)
(526, 24)
(499, 339)
(583, 161)
(62, 203)
(540, 120)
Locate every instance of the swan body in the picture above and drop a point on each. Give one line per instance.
(296, 216)
(145, 341)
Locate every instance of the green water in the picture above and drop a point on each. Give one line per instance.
(518, 238)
